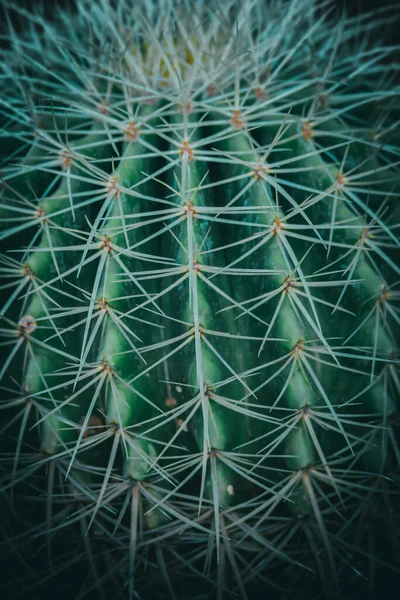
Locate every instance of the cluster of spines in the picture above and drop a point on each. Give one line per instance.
(166, 177)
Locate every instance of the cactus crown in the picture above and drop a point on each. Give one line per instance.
(199, 212)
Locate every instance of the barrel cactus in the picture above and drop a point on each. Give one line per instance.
(200, 258)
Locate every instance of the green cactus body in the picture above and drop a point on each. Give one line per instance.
(200, 259)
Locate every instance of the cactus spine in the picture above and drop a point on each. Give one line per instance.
(200, 259)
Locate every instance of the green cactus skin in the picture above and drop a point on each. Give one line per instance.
(200, 256)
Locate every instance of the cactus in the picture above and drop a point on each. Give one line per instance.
(199, 219)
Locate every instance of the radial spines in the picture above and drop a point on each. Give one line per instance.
(204, 302)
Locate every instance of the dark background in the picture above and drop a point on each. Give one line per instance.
(352, 7)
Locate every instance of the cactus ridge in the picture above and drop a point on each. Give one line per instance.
(200, 317)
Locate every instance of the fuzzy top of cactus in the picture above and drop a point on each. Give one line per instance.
(199, 233)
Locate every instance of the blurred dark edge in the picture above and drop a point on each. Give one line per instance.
(353, 7)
